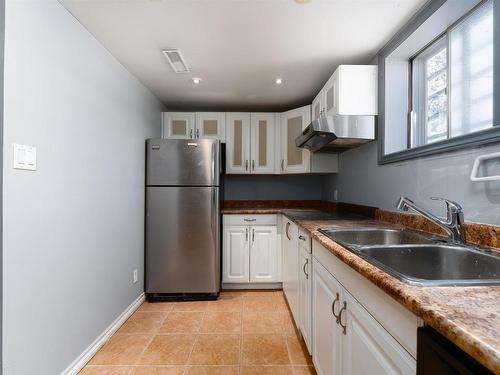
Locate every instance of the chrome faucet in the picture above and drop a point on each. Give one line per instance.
(454, 216)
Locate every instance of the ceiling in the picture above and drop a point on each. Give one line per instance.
(239, 47)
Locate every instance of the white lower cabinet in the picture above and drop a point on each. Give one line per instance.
(264, 257)
(326, 297)
(305, 290)
(347, 339)
(236, 250)
(367, 348)
(290, 250)
(250, 253)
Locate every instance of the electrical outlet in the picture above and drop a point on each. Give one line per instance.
(335, 195)
(135, 276)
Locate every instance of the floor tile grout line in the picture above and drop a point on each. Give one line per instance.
(197, 335)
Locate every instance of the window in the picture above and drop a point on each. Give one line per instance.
(452, 81)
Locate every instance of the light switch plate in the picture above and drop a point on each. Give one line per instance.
(24, 157)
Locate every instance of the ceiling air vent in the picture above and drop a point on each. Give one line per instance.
(176, 61)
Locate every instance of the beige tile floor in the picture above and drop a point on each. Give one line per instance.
(248, 333)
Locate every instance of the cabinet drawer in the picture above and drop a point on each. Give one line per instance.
(250, 219)
(305, 240)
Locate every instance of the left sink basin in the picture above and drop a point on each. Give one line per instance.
(374, 236)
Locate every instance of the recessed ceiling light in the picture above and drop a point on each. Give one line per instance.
(279, 81)
(302, 1)
(196, 80)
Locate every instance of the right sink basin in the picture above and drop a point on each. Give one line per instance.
(418, 259)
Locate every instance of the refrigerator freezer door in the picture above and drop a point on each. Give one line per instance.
(173, 162)
(182, 240)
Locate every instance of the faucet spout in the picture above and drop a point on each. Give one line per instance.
(454, 216)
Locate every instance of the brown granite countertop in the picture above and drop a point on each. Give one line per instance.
(467, 316)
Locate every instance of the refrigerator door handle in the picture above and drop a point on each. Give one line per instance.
(213, 162)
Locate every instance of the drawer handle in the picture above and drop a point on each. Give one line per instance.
(337, 298)
(304, 268)
(301, 237)
(249, 220)
(344, 327)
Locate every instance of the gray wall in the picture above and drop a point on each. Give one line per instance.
(362, 181)
(2, 44)
(279, 187)
(73, 229)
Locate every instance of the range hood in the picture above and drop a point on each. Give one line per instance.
(337, 133)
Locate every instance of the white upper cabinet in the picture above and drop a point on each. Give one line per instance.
(211, 125)
(237, 143)
(194, 125)
(317, 106)
(262, 143)
(250, 146)
(293, 158)
(178, 125)
(330, 96)
(351, 90)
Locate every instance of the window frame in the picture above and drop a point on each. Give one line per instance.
(470, 140)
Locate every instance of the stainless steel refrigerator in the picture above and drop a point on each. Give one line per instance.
(182, 219)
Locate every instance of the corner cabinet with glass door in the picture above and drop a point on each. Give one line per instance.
(194, 125)
(293, 158)
(250, 145)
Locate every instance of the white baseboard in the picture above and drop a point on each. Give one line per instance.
(88, 353)
(236, 286)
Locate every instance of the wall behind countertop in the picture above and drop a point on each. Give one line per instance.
(361, 180)
(273, 187)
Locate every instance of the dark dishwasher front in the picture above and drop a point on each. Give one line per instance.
(436, 355)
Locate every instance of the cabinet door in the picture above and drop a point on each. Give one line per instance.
(211, 125)
(294, 159)
(263, 143)
(178, 125)
(264, 254)
(235, 254)
(305, 297)
(355, 90)
(331, 95)
(365, 338)
(326, 333)
(291, 267)
(237, 143)
(317, 106)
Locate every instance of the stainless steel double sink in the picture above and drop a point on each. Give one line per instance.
(419, 259)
